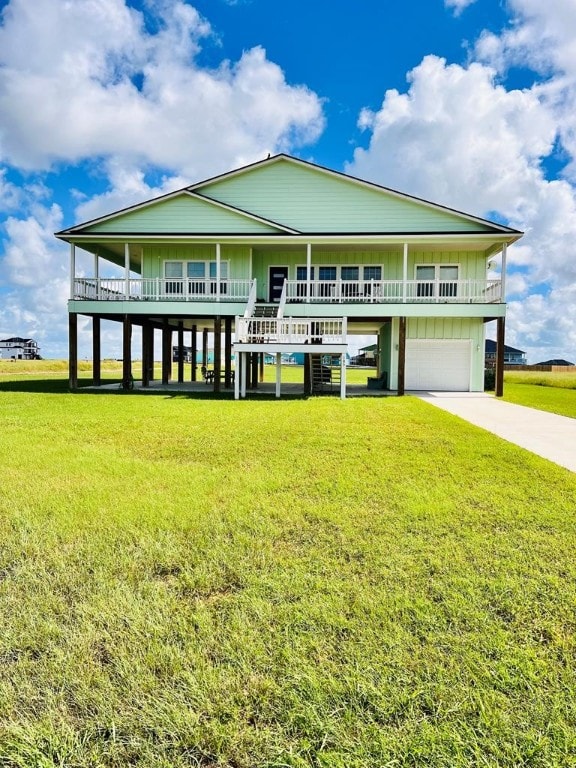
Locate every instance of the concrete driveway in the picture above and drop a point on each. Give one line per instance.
(545, 434)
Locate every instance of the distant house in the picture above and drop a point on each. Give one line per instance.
(367, 356)
(16, 348)
(556, 361)
(188, 355)
(511, 356)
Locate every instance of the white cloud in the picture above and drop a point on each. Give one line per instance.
(36, 270)
(127, 93)
(9, 193)
(458, 5)
(127, 187)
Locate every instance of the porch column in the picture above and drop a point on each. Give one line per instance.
(205, 347)
(217, 271)
(401, 356)
(503, 272)
(151, 355)
(243, 367)
(254, 373)
(146, 361)
(72, 268)
(180, 352)
(127, 353)
(343, 376)
(278, 372)
(194, 347)
(404, 272)
(500, 333)
(308, 270)
(228, 352)
(73, 351)
(96, 372)
(217, 352)
(238, 367)
(307, 374)
(127, 270)
(261, 368)
(166, 352)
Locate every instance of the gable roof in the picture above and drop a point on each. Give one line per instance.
(298, 176)
(285, 195)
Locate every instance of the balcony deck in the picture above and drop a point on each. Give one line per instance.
(296, 291)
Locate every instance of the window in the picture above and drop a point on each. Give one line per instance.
(437, 280)
(196, 271)
(352, 274)
(302, 276)
(173, 269)
(326, 275)
(372, 273)
(448, 280)
(193, 277)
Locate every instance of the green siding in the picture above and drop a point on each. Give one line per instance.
(311, 200)
(237, 256)
(385, 348)
(182, 214)
(454, 328)
(472, 264)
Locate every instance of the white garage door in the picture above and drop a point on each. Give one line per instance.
(438, 365)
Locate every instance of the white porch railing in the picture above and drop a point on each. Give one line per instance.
(161, 289)
(397, 291)
(290, 330)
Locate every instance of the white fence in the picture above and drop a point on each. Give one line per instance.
(290, 330)
(397, 291)
(160, 289)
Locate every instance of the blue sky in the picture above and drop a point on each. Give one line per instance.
(469, 103)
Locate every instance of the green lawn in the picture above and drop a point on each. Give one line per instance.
(555, 392)
(196, 582)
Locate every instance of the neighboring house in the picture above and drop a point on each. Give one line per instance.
(204, 357)
(556, 362)
(16, 348)
(367, 356)
(511, 356)
(284, 257)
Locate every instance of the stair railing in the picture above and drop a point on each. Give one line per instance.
(249, 311)
(282, 304)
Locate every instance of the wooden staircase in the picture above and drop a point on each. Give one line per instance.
(325, 373)
(265, 310)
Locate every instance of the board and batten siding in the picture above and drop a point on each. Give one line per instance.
(472, 264)
(311, 200)
(184, 214)
(464, 328)
(237, 256)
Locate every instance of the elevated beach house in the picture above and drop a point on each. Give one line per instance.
(282, 257)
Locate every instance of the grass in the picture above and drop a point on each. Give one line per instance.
(547, 391)
(314, 582)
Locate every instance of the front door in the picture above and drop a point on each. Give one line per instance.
(277, 276)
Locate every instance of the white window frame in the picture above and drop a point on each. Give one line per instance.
(436, 287)
(349, 288)
(194, 286)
